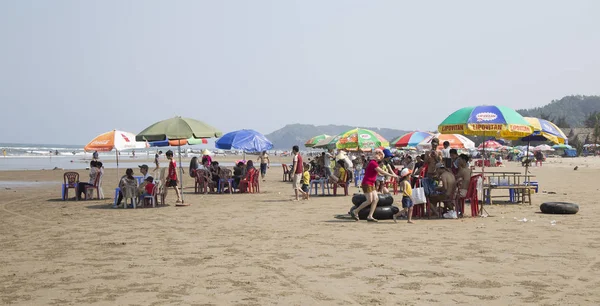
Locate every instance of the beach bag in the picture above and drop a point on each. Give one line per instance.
(418, 195)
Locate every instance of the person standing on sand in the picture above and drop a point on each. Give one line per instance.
(156, 161)
(265, 163)
(171, 179)
(368, 185)
(446, 155)
(297, 170)
(406, 190)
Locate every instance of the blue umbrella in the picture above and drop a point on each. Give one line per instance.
(245, 140)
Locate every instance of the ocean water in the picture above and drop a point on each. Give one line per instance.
(48, 156)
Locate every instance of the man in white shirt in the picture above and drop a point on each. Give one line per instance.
(446, 155)
(327, 162)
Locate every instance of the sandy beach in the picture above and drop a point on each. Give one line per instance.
(262, 249)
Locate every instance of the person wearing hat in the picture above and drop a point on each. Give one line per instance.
(386, 165)
(342, 155)
(406, 190)
(144, 170)
(368, 186)
(206, 157)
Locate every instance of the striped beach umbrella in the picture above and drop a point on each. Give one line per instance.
(411, 139)
(486, 120)
(362, 140)
(545, 130)
(490, 144)
(313, 141)
(456, 141)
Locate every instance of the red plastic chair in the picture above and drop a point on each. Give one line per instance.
(471, 196)
(71, 180)
(343, 182)
(255, 185)
(246, 183)
(419, 209)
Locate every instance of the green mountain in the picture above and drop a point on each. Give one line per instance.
(298, 134)
(570, 111)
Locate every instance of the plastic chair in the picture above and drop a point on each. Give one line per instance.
(225, 179)
(151, 197)
(358, 177)
(71, 181)
(95, 186)
(129, 193)
(286, 173)
(471, 196)
(255, 185)
(341, 183)
(245, 184)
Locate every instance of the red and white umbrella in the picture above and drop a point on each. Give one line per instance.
(490, 145)
(543, 147)
(456, 141)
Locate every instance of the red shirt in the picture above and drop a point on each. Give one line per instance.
(370, 173)
(172, 170)
(149, 188)
(299, 164)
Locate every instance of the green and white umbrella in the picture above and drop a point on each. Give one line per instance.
(180, 129)
(313, 141)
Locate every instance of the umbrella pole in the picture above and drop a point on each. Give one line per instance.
(180, 172)
(117, 155)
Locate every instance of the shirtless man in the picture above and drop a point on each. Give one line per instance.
(463, 177)
(264, 164)
(444, 192)
(431, 160)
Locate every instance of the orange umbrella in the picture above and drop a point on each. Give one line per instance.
(114, 140)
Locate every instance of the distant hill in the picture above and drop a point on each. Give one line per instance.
(298, 134)
(573, 110)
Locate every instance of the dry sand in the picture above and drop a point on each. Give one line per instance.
(258, 249)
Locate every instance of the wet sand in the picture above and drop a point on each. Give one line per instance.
(259, 249)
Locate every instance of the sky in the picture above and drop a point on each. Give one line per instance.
(70, 70)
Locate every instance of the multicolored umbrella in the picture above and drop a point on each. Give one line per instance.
(409, 139)
(114, 140)
(490, 144)
(327, 143)
(543, 147)
(562, 147)
(486, 120)
(456, 141)
(544, 130)
(361, 139)
(313, 141)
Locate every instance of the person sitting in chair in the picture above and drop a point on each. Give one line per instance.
(445, 191)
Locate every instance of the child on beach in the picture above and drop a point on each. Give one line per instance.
(171, 179)
(406, 190)
(306, 181)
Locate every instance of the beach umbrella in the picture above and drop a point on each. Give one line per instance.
(456, 141)
(327, 143)
(177, 142)
(180, 129)
(313, 141)
(562, 147)
(361, 139)
(543, 147)
(245, 140)
(114, 140)
(490, 144)
(411, 139)
(486, 120)
(545, 130)
(591, 145)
